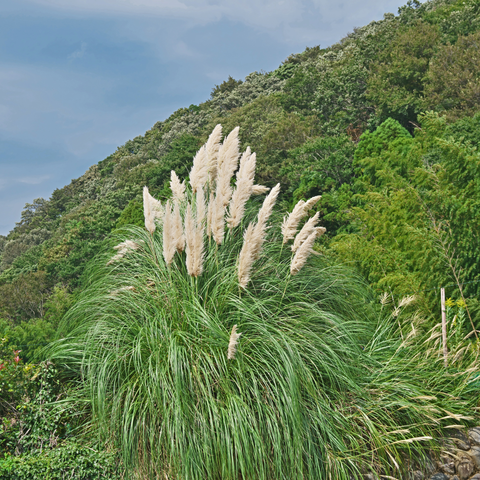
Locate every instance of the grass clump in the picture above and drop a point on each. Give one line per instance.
(200, 361)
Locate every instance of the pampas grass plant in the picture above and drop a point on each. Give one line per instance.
(324, 384)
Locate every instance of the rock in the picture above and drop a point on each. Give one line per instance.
(370, 476)
(474, 453)
(439, 476)
(454, 478)
(428, 465)
(418, 475)
(448, 468)
(460, 439)
(475, 477)
(474, 435)
(464, 467)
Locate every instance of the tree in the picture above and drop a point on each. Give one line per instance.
(453, 80)
(397, 78)
(226, 86)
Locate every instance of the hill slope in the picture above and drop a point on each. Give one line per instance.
(399, 190)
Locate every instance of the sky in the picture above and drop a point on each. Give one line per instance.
(78, 78)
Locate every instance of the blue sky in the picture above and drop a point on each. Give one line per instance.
(80, 77)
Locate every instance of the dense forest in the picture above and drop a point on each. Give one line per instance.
(385, 126)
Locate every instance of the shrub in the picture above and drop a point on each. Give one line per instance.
(222, 355)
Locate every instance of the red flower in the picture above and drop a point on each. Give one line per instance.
(2, 366)
(17, 358)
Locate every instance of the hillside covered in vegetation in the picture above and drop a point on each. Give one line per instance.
(385, 126)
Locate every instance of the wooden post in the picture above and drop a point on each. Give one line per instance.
(444, 325)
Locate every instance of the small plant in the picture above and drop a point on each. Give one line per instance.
(456, 317)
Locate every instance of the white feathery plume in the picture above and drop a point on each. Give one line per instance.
(177, 230)
(385, 298)
(304, 233)
(266, 210)
(194, 235)
(290, 222)
(147, 211)
(190, 240)
(126, 245)
(232, 344)
(114, 293)
(259, 189)
(243, 164)
(300, 258)
(199, 172)
(156, 208)
(243, 188)
(406, 301)
(227, 164)
(211, 149)
(178, 189)
(198, 252)
(199, 231)
(200, 206)
(310, 203)
(254, 237)
(228, 151)
(320, 231)
(115, 258)
(211, 208)
(169, 247)
(218, 220)
(247, 255)
(123, 248)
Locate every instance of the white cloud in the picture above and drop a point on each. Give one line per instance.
(183, 50)
(289, 21)
(260, 13)
(34, 180)
(53, 104)
(78, 53)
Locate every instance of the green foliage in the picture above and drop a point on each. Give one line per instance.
(324, 167)
(68, 460)
(417, 223)
(13, 380)
(132, 215)
(24, 298)
(396, 84)
(453, 80)
(462, 19)
(35, 428)
(29, 337)
(32, 215)
(383, 152)
(156, 175)
(466, 129)
(57, 304)
(285, 71)
(24, 246)
(270, 132)
(333, 87)
(310, 53)
(226, 86)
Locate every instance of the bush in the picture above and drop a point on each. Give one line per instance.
(321, 383)
(69, 460)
